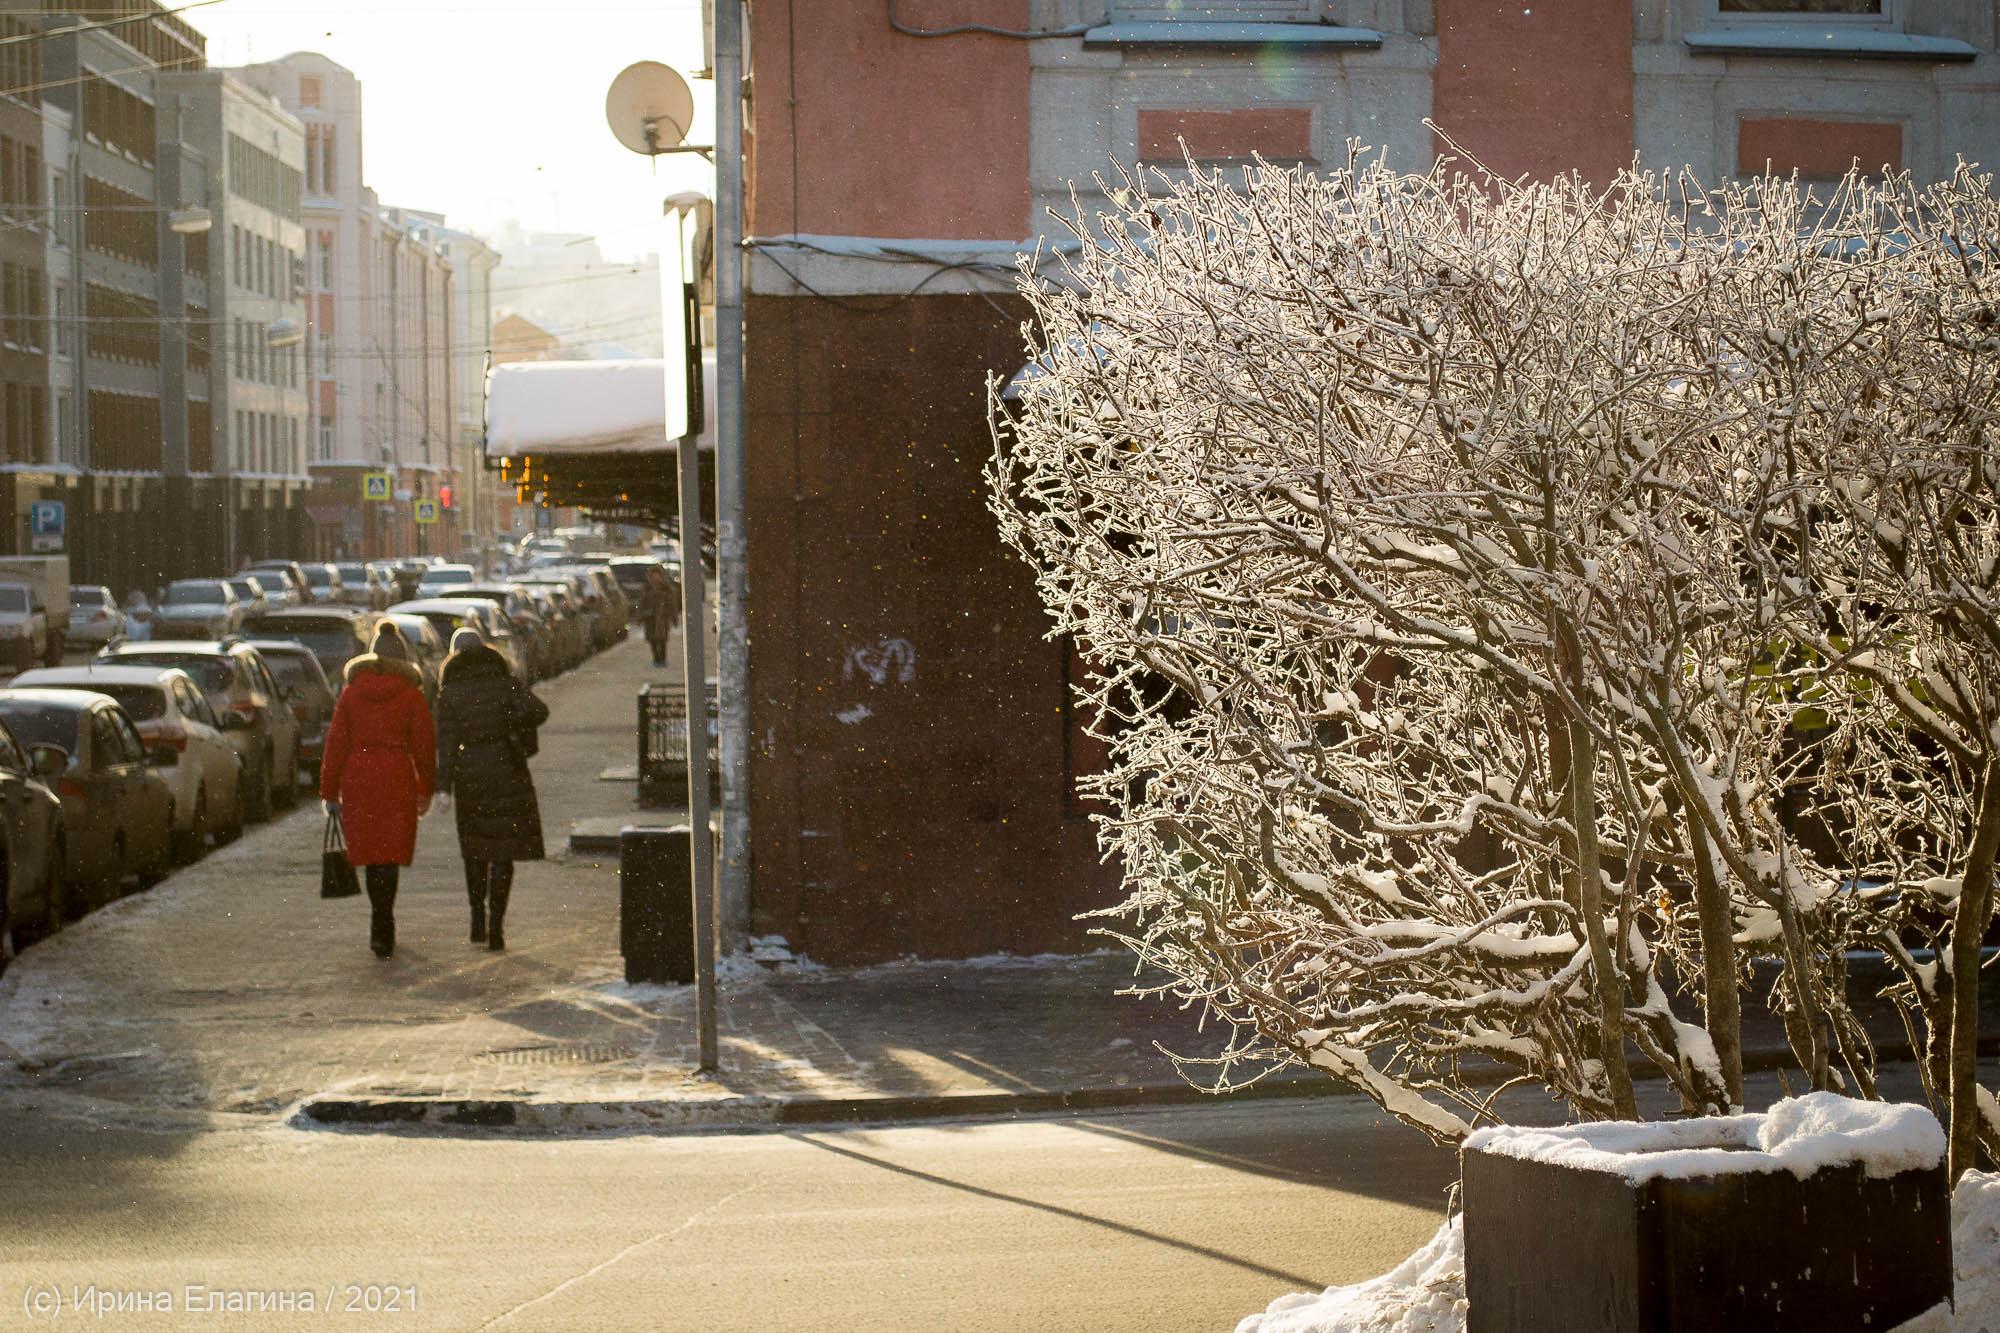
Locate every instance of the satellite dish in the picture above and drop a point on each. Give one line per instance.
(650, 108)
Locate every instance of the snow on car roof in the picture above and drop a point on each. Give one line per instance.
(109, 675)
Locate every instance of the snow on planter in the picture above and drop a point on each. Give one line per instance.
(1822, 1213)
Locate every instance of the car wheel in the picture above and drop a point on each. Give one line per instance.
(288, 782)
(113, 882)
(157, 869)
(233, 830)
(55, 898)
(189, 846)
(257, 805)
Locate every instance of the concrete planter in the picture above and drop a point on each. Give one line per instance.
(1822, 1214)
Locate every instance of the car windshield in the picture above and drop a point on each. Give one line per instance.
(144, 702)
(13, 599)
(324, 637)
(247, 588)
(194, 592)
(295, 671)
(318, 576)
(213, 674)
(352, 573)
(41, 725)
(89, 597)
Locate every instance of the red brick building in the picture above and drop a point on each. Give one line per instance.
(912, 744)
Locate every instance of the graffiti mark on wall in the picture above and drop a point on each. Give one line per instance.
(884, 662)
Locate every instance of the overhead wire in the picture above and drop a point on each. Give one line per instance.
(48, 33)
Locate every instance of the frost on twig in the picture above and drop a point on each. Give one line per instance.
(1445, 560)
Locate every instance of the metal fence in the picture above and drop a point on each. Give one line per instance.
(663, 744)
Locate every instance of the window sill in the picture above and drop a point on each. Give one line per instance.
(1187, 32)
(1828, 42)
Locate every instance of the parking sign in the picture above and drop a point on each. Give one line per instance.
(376, 486)
(46, 522)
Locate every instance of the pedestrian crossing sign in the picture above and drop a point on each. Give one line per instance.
(375, 485)
(427, 511)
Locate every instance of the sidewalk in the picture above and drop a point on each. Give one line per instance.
(233, 988)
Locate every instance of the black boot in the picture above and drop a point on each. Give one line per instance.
(475, 892)
(499, 885)
(381, 909)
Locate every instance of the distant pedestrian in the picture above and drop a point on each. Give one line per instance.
(378, 772)
(486, 731)
(659, 609)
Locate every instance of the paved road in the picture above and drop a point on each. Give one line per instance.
(1166, 1220)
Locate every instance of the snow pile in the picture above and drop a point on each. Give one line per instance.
(1800, 1135)
(1975, 1244)
(1423, 1294)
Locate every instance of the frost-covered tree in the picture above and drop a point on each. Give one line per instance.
(1434, 546)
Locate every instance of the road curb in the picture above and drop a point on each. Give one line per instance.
(527, 1115)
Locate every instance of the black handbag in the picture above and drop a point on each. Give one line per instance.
(336, 876)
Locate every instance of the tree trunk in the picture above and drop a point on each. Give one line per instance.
(1721, 1002)
(1968, 929)
(1590, 900)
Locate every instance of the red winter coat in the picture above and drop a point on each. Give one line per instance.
(380, 761)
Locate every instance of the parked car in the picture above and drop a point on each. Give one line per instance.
(117, 810)
(631, 572)
(234, 679)
(439, 577)
(95, 618)
(295, 592)
(250, 590)
(31, 908)
(564, 614)
(523, 616)
(169, 712)
(360, 586)
(334, 633)
(24, 626)
(197, 609)
(447, 617)
(324, 581)
(615, 619)
(297, 669)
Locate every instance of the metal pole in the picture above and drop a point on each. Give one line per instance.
(694, 678)
(733, 641)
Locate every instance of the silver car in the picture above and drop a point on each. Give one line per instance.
(95, 618)
(198, 609)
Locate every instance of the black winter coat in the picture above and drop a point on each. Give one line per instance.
(481, 712)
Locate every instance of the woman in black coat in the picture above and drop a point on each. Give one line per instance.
(486, 723)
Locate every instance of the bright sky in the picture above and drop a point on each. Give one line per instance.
(486, 110)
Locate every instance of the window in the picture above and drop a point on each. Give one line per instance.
(65, 329)
(325, 438)
(1869, 8)
(1228, 11)
(326, 161)
(308, 90)
(236, 254)
(326, 261)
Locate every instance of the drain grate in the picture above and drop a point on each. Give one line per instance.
(582, 1053)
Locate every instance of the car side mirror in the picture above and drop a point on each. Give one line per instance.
(163, 756)
(232, 721)
(49, 761)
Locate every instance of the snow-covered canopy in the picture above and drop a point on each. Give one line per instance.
(585, 407)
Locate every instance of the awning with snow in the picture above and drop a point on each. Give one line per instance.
(592, 435)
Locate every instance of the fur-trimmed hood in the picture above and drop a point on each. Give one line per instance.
(478, 660)
(370, 664)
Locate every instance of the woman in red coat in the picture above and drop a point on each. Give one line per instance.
(378, 772)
